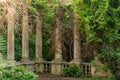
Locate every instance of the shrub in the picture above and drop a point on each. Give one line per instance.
(17, 73)
(72, 71)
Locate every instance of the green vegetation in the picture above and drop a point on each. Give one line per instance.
(17, 73)
(2, 46)
(72, 71)
(9, 71)
(99, 27)
(105, 78)
(99, 21)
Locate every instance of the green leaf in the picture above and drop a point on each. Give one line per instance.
(32, 9)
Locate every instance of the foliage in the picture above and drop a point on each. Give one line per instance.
(17, 73)
(32, 9)
(8, 71)
(46, 11)
(28, 1)
(18, 48)
(99, 20)
(99, 67)
(111, 77)
(3, 62)
(111, 57)
(72, 71)
(32, 46)
(3, 45)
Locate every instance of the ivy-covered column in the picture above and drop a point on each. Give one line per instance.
(10, 17)
(76, 33)
(58, 43)
(25, 36)
(38, 37)
(38, 55)
(57, 68)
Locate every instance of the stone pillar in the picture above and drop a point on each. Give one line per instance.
(38, 56)
(57, 68)
(77, 52)
(58, 44)
(25, 31)
(10, 17)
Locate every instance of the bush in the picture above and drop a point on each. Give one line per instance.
(17, 73)
(72, 71)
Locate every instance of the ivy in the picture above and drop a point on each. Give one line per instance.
(100, 21)
(98, 15)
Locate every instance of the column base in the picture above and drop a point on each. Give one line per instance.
(25, 60)
(39, 66)
(57, 67)
(28, 64)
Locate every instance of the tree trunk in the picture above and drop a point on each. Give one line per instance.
(10, 17)
(25, 31)
(38, 37)
(77, 52)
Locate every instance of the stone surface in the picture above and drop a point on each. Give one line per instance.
(56, 67)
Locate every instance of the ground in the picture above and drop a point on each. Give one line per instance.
(57, 78)
(53, 77)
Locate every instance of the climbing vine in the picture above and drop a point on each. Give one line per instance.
(99, 21)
